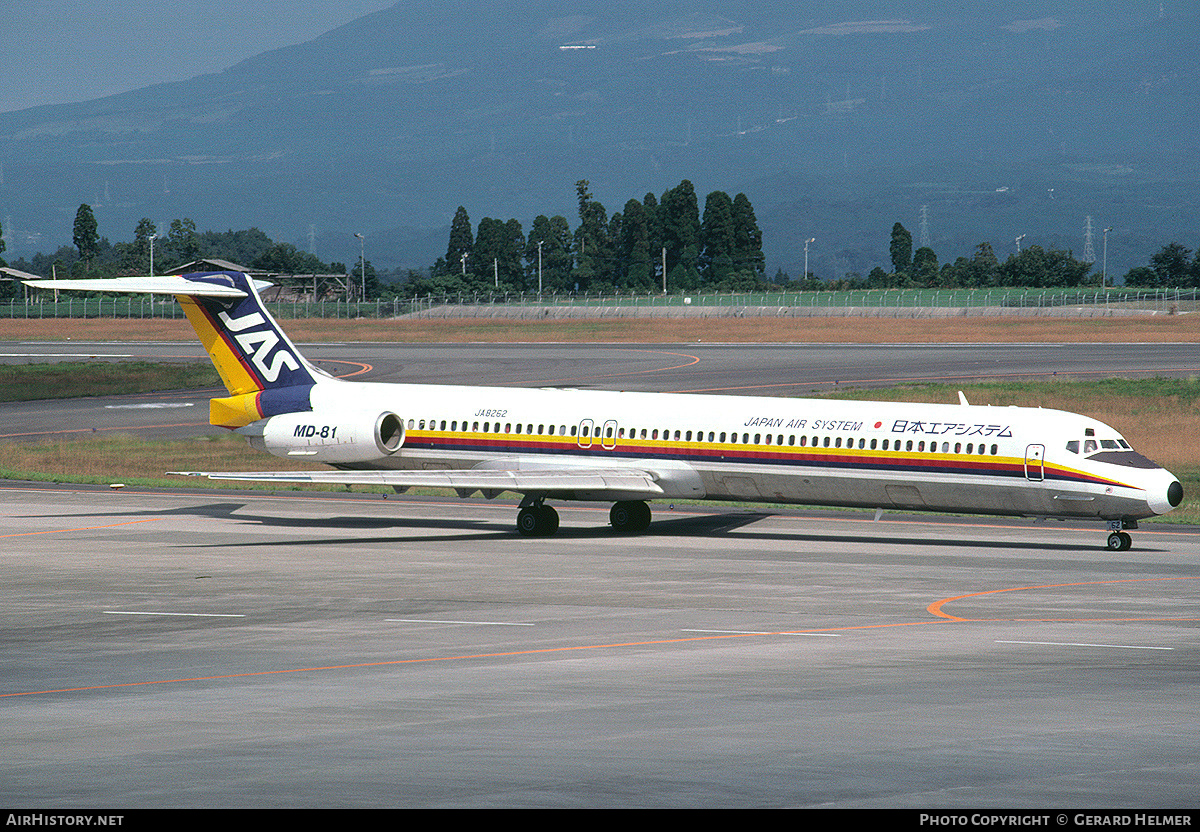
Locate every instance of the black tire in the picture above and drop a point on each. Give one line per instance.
(529, 523)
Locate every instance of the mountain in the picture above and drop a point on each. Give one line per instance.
(837, 119)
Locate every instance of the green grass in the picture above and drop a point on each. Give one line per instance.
(68, 380)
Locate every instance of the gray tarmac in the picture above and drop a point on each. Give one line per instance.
(236, 649)
(175, 649)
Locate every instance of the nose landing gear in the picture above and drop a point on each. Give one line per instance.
(1118, 540)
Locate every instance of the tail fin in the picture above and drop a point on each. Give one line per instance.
(260, 366)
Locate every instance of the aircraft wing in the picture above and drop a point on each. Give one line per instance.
(629, 482)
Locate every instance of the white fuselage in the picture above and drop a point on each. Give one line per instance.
(996, 460)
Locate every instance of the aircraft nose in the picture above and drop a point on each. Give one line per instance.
(1165, 495)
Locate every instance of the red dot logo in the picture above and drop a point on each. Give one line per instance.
(879, 424)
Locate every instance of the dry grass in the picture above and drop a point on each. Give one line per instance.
(1159, 329)
(130, 459)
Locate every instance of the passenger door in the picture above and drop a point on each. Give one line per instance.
(1035, 456)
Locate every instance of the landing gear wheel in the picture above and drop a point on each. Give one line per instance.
(1119, 542)
(537, 521)
(629, 516)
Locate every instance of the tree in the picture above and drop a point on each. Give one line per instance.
(1171, 265)
(461, 241)
(182, 240)
(925, 267)
(499, 248)
(554, 233)
(593, 253)
(86, 237)
(747, 238)
(717, 238)
(680, 224)
(635, 253)
(134, 258)
(900, 249)
(985, 266)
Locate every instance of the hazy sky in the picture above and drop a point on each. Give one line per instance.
(55, 51)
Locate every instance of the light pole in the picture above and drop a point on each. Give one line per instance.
(1019, 239)
(1104, 272)
(806, 242)
(540, 268)
(152, 238)
(362, 263)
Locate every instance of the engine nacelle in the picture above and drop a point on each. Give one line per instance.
(328, 436)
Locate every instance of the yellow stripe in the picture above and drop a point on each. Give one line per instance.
(229, 366)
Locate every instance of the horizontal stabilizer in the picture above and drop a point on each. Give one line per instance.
(626, 481)
(165, 284)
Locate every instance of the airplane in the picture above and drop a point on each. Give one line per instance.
(629, 448)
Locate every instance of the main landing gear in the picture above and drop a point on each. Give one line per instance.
(536, 519)
(629, 516)
(1118, 540)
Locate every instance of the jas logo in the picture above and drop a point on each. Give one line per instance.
(259, 344)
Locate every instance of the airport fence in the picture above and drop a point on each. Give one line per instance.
(44, 304)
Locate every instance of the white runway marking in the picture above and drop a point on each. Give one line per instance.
(761, 633)
(1085, 644)
(148, 406)
(444, 621)
(189, 614)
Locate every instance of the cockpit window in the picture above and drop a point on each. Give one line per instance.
(1090, 446)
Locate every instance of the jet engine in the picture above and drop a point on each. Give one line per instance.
(328, 436)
